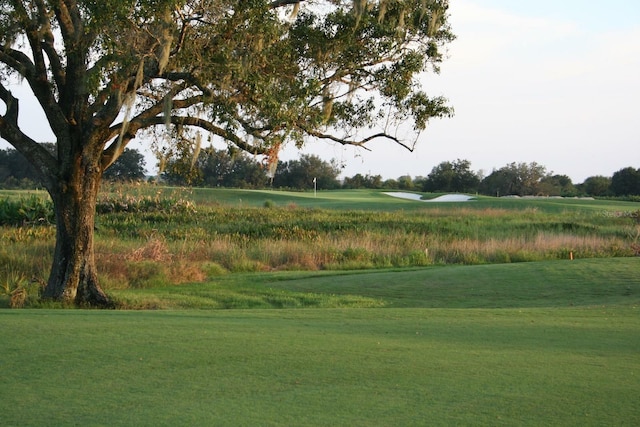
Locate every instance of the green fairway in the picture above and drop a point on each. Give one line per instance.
(552, 343)
(322, 367)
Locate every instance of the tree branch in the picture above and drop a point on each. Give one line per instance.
(48, 45)
(39, 85)
(279, 3)
(209, 127)
(11, 102)
(35, 153)
(361, 143)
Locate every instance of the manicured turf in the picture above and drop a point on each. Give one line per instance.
(587, 282)
(530, 356)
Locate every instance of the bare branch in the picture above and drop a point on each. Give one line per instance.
(361, 143)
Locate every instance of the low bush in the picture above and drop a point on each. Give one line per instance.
(31, 210)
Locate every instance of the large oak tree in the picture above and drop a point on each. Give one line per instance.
(254, 73)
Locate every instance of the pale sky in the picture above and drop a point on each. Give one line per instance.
(555, 82)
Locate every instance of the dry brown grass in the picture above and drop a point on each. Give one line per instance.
(290, 238)
(155, 249)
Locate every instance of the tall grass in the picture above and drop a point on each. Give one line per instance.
(147, 238)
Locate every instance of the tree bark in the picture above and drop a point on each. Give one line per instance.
(74, 278)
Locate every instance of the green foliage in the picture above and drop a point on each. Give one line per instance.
(306, 173)
(597, 186)
(32, 210)
(247, 73)
(626, 182)
(15, 171)
(128, 167)
(520, 179)
(158, 203)
(452, 177)
(362, 181)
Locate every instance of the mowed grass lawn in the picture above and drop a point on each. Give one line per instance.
(549, 343)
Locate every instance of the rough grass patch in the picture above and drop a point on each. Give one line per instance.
(155, 249)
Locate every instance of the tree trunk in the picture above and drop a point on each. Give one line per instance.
(74, 278)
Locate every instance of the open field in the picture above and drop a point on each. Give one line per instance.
(559, 347)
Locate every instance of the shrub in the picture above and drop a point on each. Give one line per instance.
(119, 202)
(29, 210)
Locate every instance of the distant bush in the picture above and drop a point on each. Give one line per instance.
(29, 210)
(140, 203)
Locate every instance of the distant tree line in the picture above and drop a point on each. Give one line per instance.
(236, 169)
(17, 173)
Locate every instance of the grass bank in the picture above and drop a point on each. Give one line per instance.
(561, 284)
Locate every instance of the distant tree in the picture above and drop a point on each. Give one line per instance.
(405, 183)
(231, 168)
(14, 168)
(362, 181)
(626, 182)
(178, 166)
(498, 183)
(353, 182)
(390, 184)
(557, 185)
(514, 179)
(455, 176)
(300, 173)
(215, 168)
(16, 171)
(419, 182)
(128, 167)
(596, 186)
(244, 171)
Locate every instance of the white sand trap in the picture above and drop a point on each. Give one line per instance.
(443, 198)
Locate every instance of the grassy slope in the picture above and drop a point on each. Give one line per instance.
(537, 360)
(588, 282)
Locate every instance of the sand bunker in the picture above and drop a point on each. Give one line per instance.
(443, 198)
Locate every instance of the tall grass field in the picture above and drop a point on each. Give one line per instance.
(243, 308)
(148, 236)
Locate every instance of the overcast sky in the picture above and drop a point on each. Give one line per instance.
(551, 81)
(555, 82)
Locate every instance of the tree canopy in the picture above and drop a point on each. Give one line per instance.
(250, 72)
(625, 182)
(455, 176)
(256, 74)
(128, 167)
